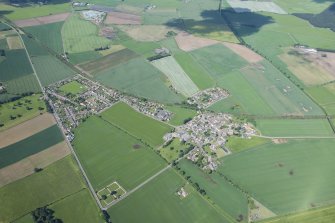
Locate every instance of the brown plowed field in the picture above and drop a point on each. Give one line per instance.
(121, 18)
(42, 20)
(188, 42)
(244, 52)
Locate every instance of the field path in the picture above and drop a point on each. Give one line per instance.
(294, 137)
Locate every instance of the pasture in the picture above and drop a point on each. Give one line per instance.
(228, 199)
(40, 189)
(108, 154)
(294, 127)
(324, 96)
(172, 151)
(142, 127)
(30, 146)
(81, 36)
(140, 78)
(276, 175)
(13, 113)
(177, 76)
(180, 114)
(237, 144)
(160, 203)
(73, 87)
(195, 71)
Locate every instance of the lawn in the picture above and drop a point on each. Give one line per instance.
(160, 203)
(21, 110)
(140, 78)
(237, 144)
(180, 114)
(30, 146)
(287, 177)
(39, 189)
(294, 127)
(109, 154)
(73, 87)
(142, 127)
(224, 196)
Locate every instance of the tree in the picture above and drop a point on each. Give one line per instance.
(44, 215)
(106, 216)
(113, 192)
(103, 197)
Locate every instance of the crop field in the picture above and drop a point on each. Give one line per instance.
(109, 154)
(80, 36)
(224, 195)
(276, 175)
(303, 6)
(254, 6)
(82, 57)
(177, 76)
(145, 49)
(21, 110)
(51, 70)
(160, 203)
(188, 42)
(180, 114)
(324, 96)
(39, 189)
(29, 146)
(122, 18)
(218, 60)
(237, 144)
(140, 78)
(109, 61)
(49, 34)
(42, 20)
(145, 128)
(24, 84)
(295, 127)
(14, 43)
(73, 87)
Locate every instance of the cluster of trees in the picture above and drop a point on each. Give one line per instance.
(102, 48)
(44, 215)
(15, 98)
(158, 56)
(106, 217)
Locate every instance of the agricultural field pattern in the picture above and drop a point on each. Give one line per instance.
(167, 111)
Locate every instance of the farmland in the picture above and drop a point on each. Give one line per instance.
(324, 95)
(96, 140)
(180, 114)
(238, 144)
(141, 126)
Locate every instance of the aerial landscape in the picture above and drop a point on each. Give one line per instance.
(172, 111)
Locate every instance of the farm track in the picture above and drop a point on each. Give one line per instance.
(294, 137)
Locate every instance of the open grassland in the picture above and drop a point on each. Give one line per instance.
(285, 177)
(324, 96)
(39, 189)
(108, 61)
(16, 13)
(303, 6)
(80, 35)
(73, 87)
(180, 114)
(26, 166)
(140, 78)
(237, 144)
(108, 154)
(223, 195)
(13, 113)
(160, 203)
(177, 76)
(29, 146)
(49, 34)
(143, 127)
(294, 127)
(218, 60)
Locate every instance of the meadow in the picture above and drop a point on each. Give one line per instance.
(39, 189)
(108, 155)
(294, 127)
(140, 78)
(73, 87)
(277, 175)
(237, 144)
(142, 127)
(324, 96)
(160, 203)
(172, 151)
(29, 146)
(180, 114)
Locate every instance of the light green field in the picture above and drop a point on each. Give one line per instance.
(224, 196)
(324, 96)
(285, 177)
(303, 6)
(19, 107)
(80, 36)
(177, 76)
(137, 124)
(237, 144)
(73, 87)
(140, 78)
(180, 114)
(146, 49)
(16, 13)
(172, 151)
(39, 189)
(49, 34)
(198, 75)
(294, 127)
(159, 203)
(108, 155)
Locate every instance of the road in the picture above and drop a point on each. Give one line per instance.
(294, 137)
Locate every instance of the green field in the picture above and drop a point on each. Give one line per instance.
(21, 85)
(108, 154)
(140, 78)
(324, 96)
(145, 49)
(73, 87)
(80, 36)
(237, 144)
(225, 196)
(49, 34)
(303, 6)
(29, 146)
(285, 177)
(159, 203)
(23, 109)
(39, 189)
(198, 75)
(294, 127)
(137, 124)
(77, 58)
(180, 114)
(172, 151)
